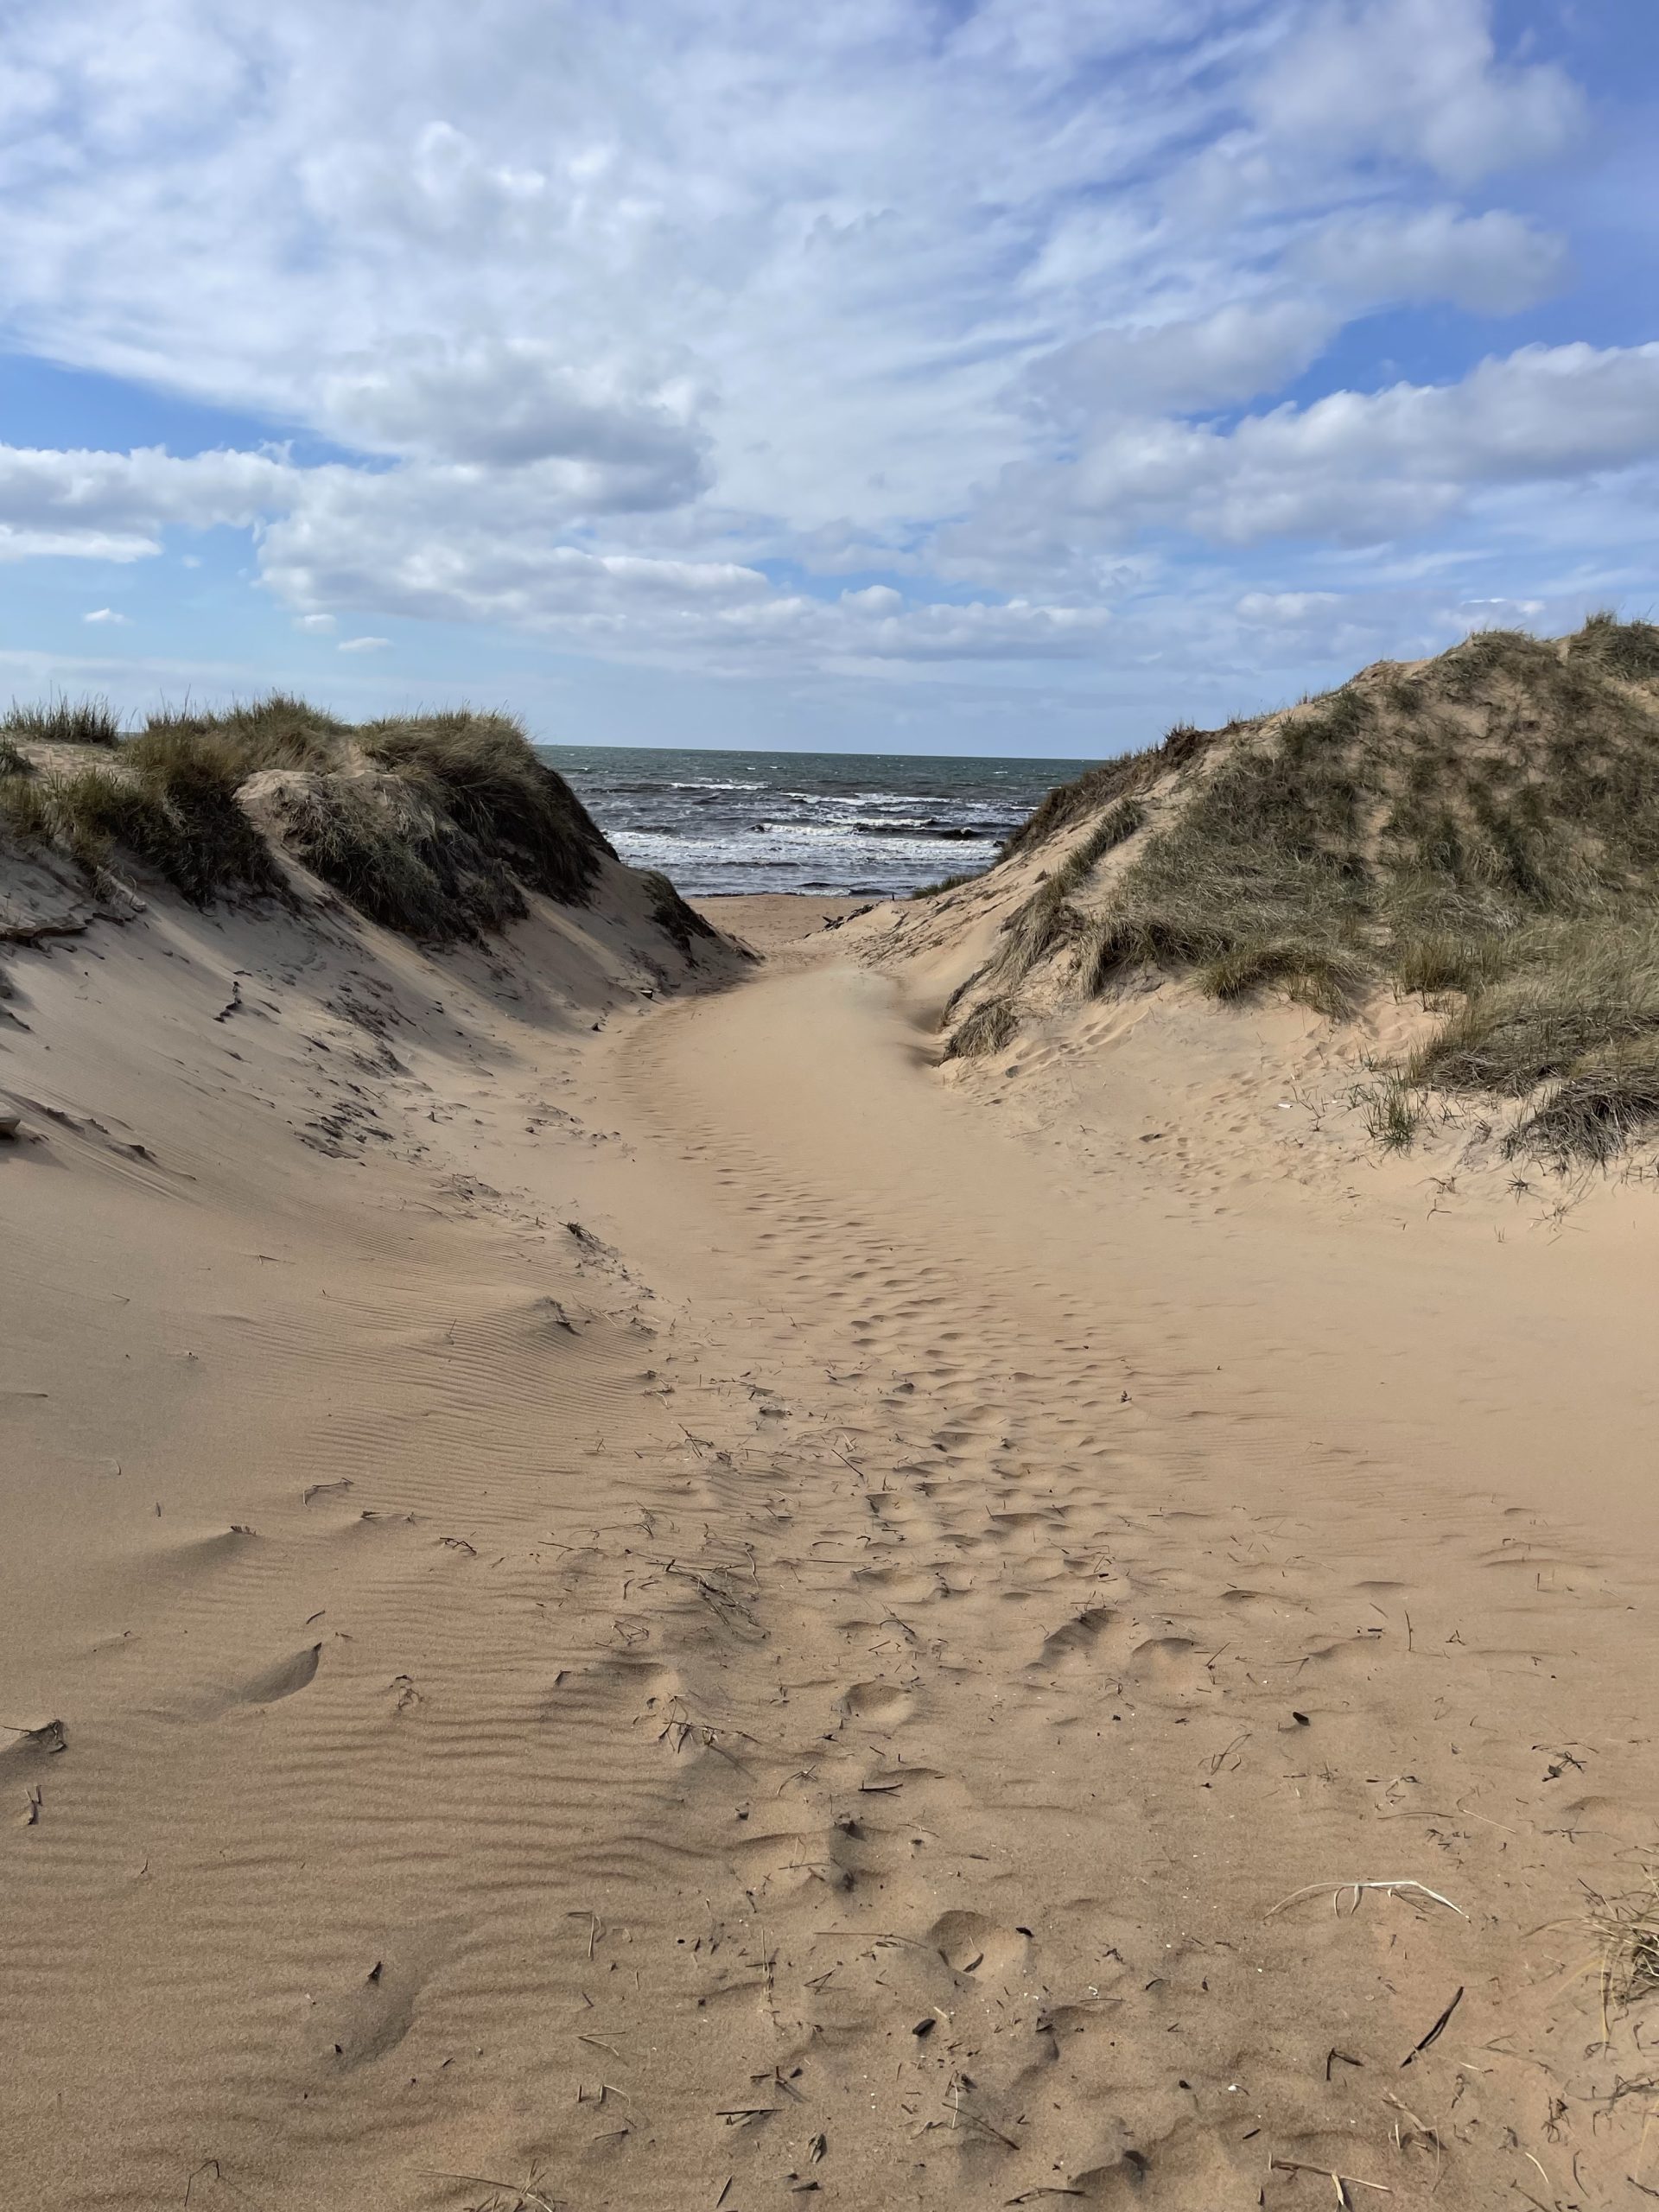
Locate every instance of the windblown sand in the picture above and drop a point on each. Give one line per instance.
(694, 1613)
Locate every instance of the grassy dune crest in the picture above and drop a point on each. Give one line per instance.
(435, 825)
(1482, 828)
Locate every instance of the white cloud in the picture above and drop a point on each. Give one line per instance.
(616, 318)
(108, 614)
(362, 645)
(112, 505)
(74, 544)
(1233, 354)
(1414, 80)
(445, 555)
(1356, 466)
(1495, 264)
(506, 401)
(1291, 609)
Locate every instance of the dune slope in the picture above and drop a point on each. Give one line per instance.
(1479, 833)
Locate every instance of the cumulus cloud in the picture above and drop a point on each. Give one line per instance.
(1357, 467)
(1415, 80)
(1495, 263)
(441, 554)
(112, 505)
(108, 614)
(501, 402)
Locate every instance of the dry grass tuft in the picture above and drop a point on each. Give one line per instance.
(986, 1030)
(1627, 1934)
(1393, 1114)
(491, 784)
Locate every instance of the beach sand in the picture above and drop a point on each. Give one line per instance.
(769, 919)
(624, 1600)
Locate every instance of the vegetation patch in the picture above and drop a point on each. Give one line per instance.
(485, 773)
(1393, 1114)
(434, 825)
(62, 721)
(172, 810)
(1048, 917)
(1481, 829)
(379, 842)
(945, 883)
(1565, 1017)
(986, 1030)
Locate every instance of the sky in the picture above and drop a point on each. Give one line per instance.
(1017, 377)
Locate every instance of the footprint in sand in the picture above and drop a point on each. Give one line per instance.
(879, 1703)
(905, 1585)
(1077, 1639)
(268, 1686)
(969, 1943)
(365, 2022)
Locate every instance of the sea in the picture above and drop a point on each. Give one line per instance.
(880, 824)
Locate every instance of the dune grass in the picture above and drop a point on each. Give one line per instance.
(484, 772)
(1127, 777)
(1486, 830)
(172, 807)
(1406, 826)
(435, 825)
(1482, 830)
(1394, 1112)
(946, 883)
(986, 1030)
(379, 842)
(1566, 1018)
(62, 721)
(1047, 918)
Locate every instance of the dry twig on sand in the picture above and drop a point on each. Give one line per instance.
(1344, 2182)
(521, 2193)
(1339, 1890)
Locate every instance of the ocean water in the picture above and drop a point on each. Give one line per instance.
(880, 823)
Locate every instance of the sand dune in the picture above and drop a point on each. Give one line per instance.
(623, 1601)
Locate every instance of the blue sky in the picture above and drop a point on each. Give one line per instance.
(919, 375)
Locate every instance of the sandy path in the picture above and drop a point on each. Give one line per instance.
(1181, 1562)
(814, 1685)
